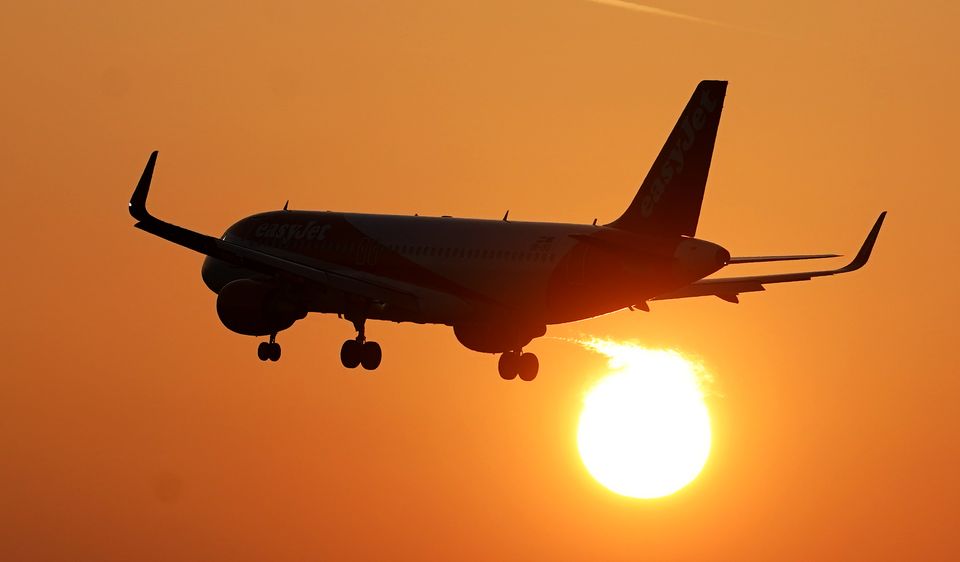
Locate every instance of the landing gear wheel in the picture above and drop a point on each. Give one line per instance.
(263, 351)
(351, 353)
(274, 351)
(528, 365)
(370, 355)
(508, 365)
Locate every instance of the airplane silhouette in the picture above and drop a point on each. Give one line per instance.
(498, 283)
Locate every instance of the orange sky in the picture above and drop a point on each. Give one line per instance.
(135, 427)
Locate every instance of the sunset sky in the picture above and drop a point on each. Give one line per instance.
(134, 426)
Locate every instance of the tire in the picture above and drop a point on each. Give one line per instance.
(263, 351)
(350, 354)
(371, 355)
(508, 366)
(274, 352)
(529, 366)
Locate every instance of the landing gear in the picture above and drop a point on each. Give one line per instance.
(269, 351)
(513, 363)
(370, 355)
(529, 367)
(508, 365)
(359, 351)
(350, 353)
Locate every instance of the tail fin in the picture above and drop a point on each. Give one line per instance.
(668, 202)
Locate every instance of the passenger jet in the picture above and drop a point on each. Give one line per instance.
(497, 283)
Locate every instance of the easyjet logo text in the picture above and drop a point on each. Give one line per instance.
(309, 231)
(685, 134)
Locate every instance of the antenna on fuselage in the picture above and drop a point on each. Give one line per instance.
(594, 222)
(505, 215)
(285, 205)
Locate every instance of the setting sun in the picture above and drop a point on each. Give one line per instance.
(644, 431)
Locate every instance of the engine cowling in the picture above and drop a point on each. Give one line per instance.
(255, 308)
(497, 337)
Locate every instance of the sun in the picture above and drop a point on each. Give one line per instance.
(644, 431)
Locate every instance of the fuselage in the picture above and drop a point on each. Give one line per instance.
(473, 270)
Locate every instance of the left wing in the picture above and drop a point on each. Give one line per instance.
(729, 288)
(254, 259)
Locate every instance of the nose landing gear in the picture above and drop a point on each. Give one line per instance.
(360, 351)
(513, 363)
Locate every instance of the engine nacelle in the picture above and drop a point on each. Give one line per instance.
(497, 337)
(255, 308)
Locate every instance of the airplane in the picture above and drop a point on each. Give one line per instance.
(497, 283)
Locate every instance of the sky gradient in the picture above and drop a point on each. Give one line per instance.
(135, 427)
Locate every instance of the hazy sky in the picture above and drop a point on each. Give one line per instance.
(135, 427)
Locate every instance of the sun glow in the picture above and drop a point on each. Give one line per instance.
(644, 431)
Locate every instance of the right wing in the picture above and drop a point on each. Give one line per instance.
(729, 288)
(255, 259)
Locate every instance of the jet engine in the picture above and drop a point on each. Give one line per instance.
(497, 337)
(255, 308)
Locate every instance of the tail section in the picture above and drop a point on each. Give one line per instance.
(668, 202)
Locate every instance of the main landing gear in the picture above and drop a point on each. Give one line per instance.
(269, 351)
(513, 363)
(359, 351)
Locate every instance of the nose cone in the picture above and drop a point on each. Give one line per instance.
(698, 258)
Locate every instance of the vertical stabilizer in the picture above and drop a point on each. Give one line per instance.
(668, 202)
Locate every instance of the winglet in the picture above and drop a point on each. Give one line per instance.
(138, 201)
(864, 254)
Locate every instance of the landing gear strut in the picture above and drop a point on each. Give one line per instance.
(269, 351)
(359, 351)
(513, 363)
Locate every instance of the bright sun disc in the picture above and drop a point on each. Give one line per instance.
(644, 431)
